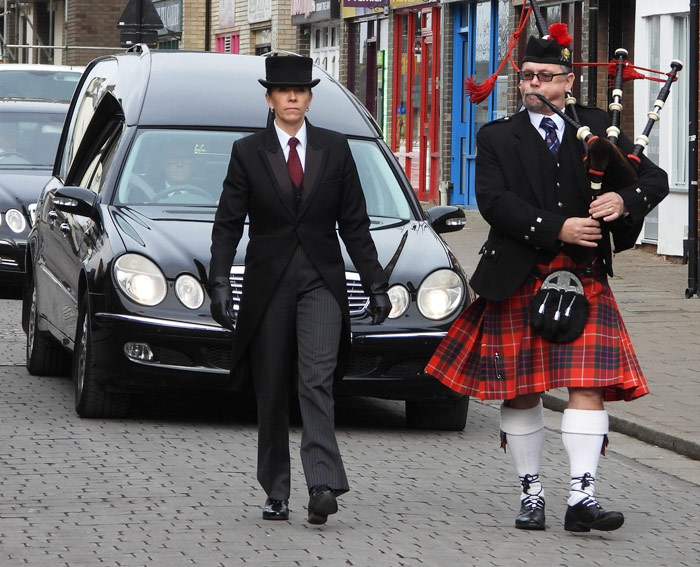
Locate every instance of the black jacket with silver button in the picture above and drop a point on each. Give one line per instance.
(518, 198)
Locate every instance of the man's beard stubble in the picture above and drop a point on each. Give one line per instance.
(533, 103)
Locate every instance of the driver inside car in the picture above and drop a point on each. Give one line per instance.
(177, 167)
(173, 180)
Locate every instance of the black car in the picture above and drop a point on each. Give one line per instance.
(119, 253)
(29, 134)
(37, 81)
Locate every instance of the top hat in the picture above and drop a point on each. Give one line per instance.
(288, 71)
(552, 48)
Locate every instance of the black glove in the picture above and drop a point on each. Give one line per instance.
(379, 303)
(220, 305)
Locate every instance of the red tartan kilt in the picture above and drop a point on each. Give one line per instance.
(492, 353)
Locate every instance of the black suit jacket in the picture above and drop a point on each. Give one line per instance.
(258, 185)
(512, 196)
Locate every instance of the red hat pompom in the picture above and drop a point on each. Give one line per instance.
(560, 33)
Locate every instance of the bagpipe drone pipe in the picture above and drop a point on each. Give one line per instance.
(606, 164)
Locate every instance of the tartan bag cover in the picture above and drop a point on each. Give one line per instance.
(491, 352)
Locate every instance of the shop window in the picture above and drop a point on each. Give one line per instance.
(325, 49)
(173, 44)
(679, 169)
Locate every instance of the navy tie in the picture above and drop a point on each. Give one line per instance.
(551, 138)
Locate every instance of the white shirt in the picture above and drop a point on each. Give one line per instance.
(283, 137)
(536, 118)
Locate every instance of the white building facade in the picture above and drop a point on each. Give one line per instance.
(662, 35)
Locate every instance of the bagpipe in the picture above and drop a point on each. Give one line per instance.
(606, 165)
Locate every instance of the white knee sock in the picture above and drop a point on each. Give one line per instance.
(524, 429)
(583, 433)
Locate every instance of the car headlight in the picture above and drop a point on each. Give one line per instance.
(15, 220)
(440, 294)
(400, 300)
(189, 291)
(140, 279)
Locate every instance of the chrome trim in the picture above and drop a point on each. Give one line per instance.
(430, 334)
(209, 369)
(357, 300)
(31, 209)
(163, 322)
(59, 284)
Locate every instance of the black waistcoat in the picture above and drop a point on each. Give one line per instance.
(564, 195)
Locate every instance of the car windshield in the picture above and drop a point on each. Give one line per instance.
(29, 138)
(187, 167)
(56, 85)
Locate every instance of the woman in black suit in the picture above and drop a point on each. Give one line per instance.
(294, 313)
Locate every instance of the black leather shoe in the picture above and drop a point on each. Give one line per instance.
(276, 509)
(588, 515)
(531, 515)
(322, 503)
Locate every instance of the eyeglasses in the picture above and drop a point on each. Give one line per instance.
(542, 77)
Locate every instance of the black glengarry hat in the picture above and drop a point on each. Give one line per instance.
(552, 48)
(288, 71)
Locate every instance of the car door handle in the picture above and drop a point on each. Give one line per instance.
(53, 215)
(65, 228)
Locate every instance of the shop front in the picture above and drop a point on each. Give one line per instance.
(170, 12)
(480, 41)
(319, 21)
(416, 94)
(367, 42)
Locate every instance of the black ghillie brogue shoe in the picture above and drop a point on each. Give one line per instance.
(276, 509)
(588, 515)
(322, 503)
(531, 516)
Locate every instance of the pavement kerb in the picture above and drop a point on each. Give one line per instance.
(646, 434)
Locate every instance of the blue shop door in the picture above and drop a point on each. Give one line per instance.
(475, 54)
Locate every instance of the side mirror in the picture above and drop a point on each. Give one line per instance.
(446, 218)
(75, 200)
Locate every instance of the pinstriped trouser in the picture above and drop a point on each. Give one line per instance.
(301, 328)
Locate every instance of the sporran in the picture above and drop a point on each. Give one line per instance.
(559, 310)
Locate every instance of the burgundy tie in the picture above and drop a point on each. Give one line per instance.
(296, 173)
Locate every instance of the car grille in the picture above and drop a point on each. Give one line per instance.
(219, 357)
(362, 364)
(171, 356)
(410, 367)
(357, 299)
(9, 262)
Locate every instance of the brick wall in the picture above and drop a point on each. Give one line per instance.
(284, 34)
(446, 92)
(194, 25)
(91, 23)
(391, 62)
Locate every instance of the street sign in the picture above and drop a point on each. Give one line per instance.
(139, 23)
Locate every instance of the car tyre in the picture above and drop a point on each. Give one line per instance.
(92, 399)
(43, 355)
(444, 415)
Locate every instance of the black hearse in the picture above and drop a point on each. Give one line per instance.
(118, 256)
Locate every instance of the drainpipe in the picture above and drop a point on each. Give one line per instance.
(444, 187)
(593, 52)
(693, 154)
(207, 25)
